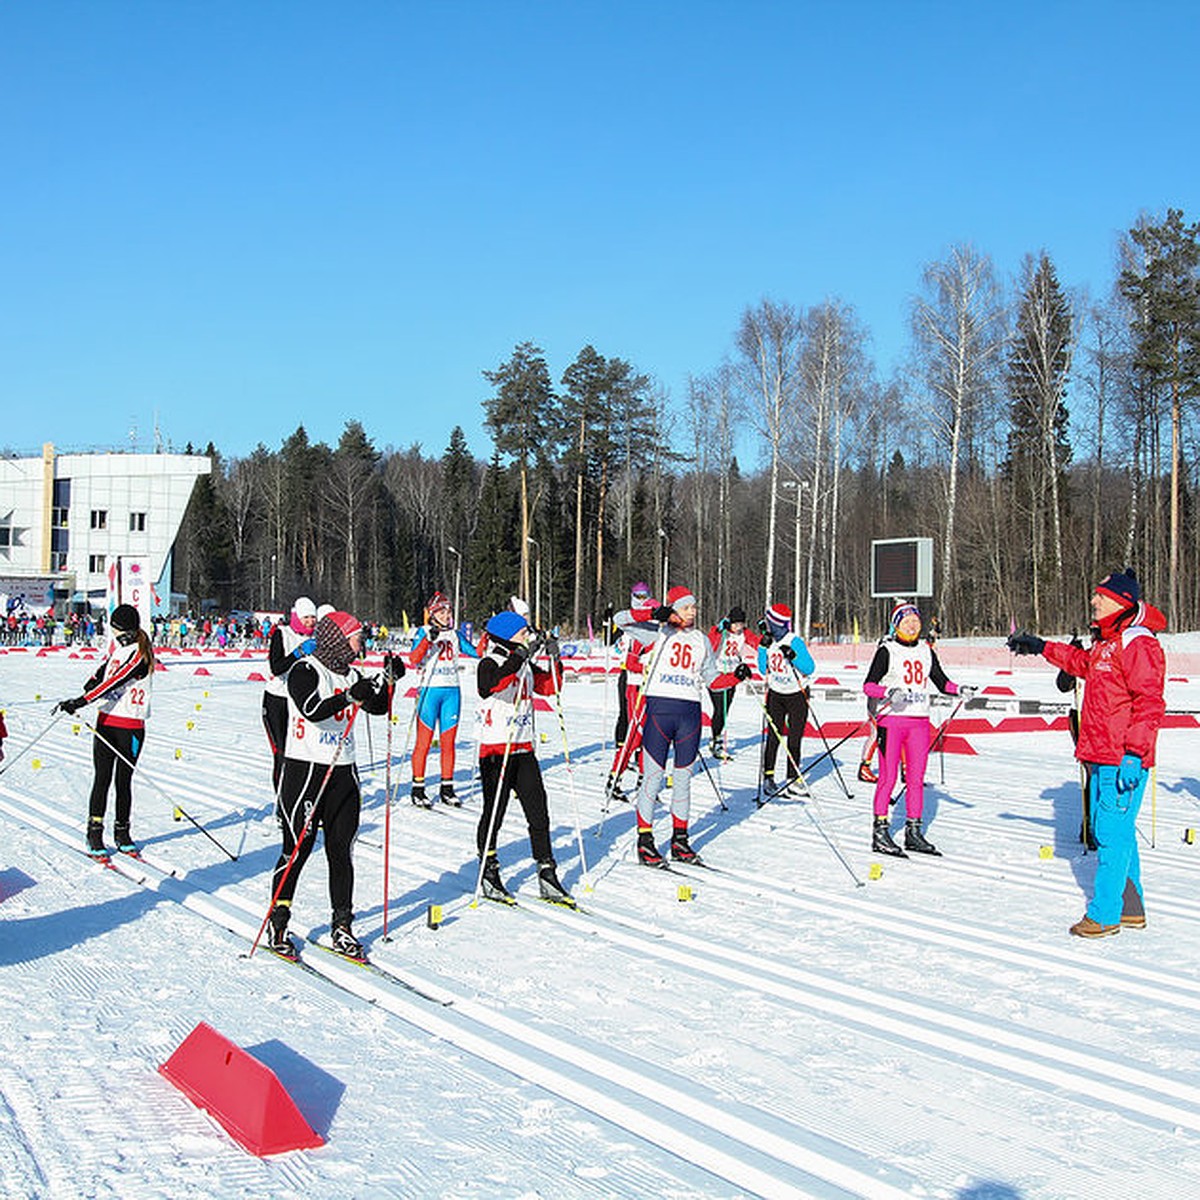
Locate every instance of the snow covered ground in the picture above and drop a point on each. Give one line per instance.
(786, 1032)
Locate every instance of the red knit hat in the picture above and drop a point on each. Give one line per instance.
(679, 596)
(779, 614)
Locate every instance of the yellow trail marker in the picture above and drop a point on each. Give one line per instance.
(874, 871)
(178, 752)
(76, 728)
(36, 764)
(198, 706)
(433, 916)
(1189, 836)
(1045, 852)
(177, 814)
(683, 893)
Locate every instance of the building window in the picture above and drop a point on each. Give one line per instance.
(137, 522)
(62, 493)
(96, 564)
(58, 560)
(5, 536)
(99, 518)
(58, 517)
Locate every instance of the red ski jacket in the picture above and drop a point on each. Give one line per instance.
(1123, 674)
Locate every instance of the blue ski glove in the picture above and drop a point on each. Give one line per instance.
(308, 646)
(1129, 773)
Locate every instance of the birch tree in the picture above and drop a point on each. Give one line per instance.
(957, 327)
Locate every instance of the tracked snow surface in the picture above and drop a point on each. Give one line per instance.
(813, 1021)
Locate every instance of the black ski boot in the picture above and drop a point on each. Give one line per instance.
(345, 943)
(493, 885)
(915, 841)
(681, 848)
(447, 796)
(418, 795)
(549, 887)
(95, 837)
(124, 838)
(881, 840)
(648, 854)
(278, 940)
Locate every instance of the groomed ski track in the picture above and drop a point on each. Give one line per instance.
(768, 1153)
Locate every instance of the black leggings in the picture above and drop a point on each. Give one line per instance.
(337, 812)
(722, 702)
(111, 745)
(789, 711)
(523, 776)
(275, 719)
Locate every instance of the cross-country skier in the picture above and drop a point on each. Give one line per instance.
(639, 597)
(122, 684)
(637, 643)
(680, 667)
(508, 681)
(785, 664)
(902, 672)
(440, 701)
(288, 645)
(732, 645)
(1123, 709)
(319, 783)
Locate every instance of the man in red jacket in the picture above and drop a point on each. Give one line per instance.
(1123, 672)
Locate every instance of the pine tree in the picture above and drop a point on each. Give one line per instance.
(1039, 365)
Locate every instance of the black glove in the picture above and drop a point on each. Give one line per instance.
(1026, 643)
(662, 613)
(741, 671)
(788, 653)
(70, 707)
(362, 689)
(393, 667)
(551, 646)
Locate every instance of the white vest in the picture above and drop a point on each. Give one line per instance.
(683, 666)
(506, 716)
(130, 701)
(782, 676)
(318, 741)
(908, 669)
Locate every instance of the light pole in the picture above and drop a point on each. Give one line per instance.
(457, 581)
(272, 582)
(800, 486)
(664, 579)
(537, 584)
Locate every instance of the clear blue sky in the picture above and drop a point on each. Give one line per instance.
(244, 216)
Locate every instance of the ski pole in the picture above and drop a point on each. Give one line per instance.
(821, 730)
(555, 669)
(625, 751)
(387, 810)
(175, 807)
(422, 688)
(720, 797)
(312, 812)
(787, 754)
(941, 733)
(501, 788)
(13, 759)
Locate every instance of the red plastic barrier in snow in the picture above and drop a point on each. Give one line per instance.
(201, 671)
(245, 1096)
(256, 677)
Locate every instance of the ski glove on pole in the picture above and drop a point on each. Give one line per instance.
(741, 671)
(70, 706)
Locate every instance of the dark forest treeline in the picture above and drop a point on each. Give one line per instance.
(1040, 439)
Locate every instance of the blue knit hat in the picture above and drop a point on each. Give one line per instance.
(506, 625)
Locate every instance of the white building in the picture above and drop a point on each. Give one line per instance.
(66, 518)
